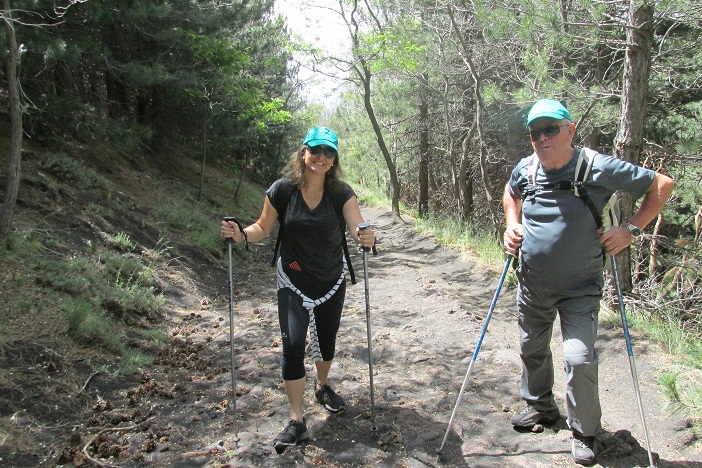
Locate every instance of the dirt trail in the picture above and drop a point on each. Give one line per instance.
(427, 308)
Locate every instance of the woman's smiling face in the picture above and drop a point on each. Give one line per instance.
(319, 158)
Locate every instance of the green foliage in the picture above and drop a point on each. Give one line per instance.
(181, 214)
(85, 324)
(97, 209)
(133, 362)
(466, 236)
(74, 277)
(122, 242)
(58, 50)
(19, 244)
(89, 326)
(150, 73)
(396, 51)
(126, 135)
(271, 112)
(680, 214)
(219, 53)
(73, 172)
(687, 401)
(102, 292)
(681, 382)
(116, 284)
(125, 269)
(369, 195)
(155, 338)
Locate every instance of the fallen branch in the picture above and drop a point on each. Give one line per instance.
(85, 385)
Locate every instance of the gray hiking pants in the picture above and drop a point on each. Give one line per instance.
(578, 316)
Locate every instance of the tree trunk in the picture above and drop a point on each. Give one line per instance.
(392, 169)
(203, 164)
(629, 142)
(479, 112)
(423, 147)
(362, 69)
(463, 196)
(15, 156)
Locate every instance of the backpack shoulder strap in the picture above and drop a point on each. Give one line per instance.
(586, 157)
(339, 203)
(285, 194)
(532, 168)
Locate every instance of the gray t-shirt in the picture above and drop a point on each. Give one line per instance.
(311, 241)
(561, 250)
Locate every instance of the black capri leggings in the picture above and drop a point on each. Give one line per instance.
(294, 321)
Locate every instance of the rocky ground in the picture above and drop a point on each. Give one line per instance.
(427, 306)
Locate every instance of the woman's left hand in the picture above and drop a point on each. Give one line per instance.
(366, 237)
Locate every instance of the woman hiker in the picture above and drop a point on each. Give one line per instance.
(309, 202)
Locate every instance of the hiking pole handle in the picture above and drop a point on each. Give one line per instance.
(361, 227)
(230, 240)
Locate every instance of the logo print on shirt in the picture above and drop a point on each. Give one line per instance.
(295, 266)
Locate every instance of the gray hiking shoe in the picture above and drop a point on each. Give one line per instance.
(331, 401)
(584, 449)
(530, 416)
(293, 434)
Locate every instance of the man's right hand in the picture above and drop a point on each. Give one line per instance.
(513, 238)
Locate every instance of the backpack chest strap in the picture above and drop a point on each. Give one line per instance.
(531, 190)
(577, 186)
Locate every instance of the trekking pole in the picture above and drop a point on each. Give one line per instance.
(632, 364)
(475, 353)
(364, 250)
(230, 242)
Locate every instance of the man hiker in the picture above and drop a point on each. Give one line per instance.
(562, 256)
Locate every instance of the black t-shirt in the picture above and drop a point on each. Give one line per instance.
(311, 241)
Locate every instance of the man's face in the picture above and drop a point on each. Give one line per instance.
(551, 140)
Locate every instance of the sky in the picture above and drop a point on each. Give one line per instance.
(316, 23)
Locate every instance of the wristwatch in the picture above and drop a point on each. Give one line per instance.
(633, 230)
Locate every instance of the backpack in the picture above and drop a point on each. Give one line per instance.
(610, 214)
(286, 191)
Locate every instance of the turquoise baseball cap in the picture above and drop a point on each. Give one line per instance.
(547, 108)
(322, 136)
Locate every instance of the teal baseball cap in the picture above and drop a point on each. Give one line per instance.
(547, 108)
(322, 136)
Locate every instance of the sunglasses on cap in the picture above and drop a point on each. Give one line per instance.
(548, 130)
(329, 153)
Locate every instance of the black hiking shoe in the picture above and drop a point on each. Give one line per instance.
(293, 434)
(584, 449)
(530, 416)
(331, 401)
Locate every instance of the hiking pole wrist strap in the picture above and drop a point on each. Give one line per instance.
(363, 248)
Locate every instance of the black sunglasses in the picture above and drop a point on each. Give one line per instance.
(548, 130)
(329, 153)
